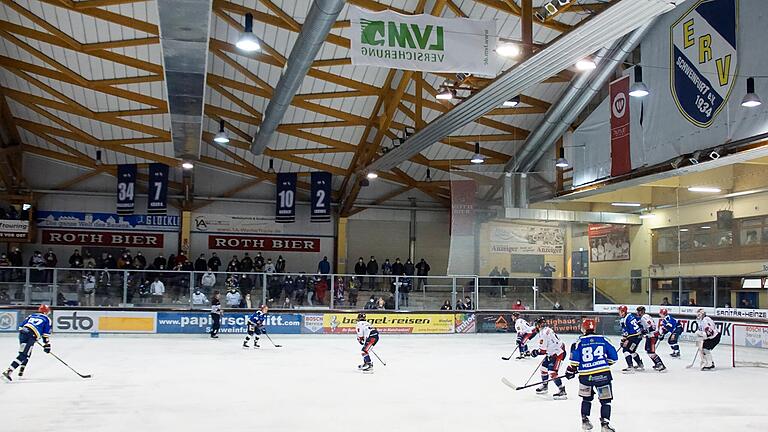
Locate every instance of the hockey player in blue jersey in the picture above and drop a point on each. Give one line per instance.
(672, 326)
(591, 358)
(256, 326)
(36, 326)
(632, 334)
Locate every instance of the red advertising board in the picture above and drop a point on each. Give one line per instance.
(620, 150)
(264, 243)
(103, 238)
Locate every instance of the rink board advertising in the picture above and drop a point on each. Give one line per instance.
(505, 323)
(402, 323)
(9, 321)
(84, 321)
(200, 322)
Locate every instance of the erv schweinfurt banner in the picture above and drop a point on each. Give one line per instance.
(422, 42)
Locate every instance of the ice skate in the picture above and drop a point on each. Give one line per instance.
(245, 345)
(605, 426)
(586, 425)
(675, 354)
(708, 368)
(628, 370)
(367, 368)
(21, 371)
(659, 367)
(561, 395)
(542, 389)
(256, 345)
(7, 375)
(639, 367)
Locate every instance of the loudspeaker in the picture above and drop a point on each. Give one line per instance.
(724, 219)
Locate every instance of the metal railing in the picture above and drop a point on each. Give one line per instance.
(147, 288)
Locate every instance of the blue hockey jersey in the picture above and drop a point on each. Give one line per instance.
(257, 318)
(593, 354)
(630, 326)
(39, 324)
(669, 324)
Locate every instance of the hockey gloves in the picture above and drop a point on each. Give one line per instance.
(535, 353)
(47, 348)
(570, 372)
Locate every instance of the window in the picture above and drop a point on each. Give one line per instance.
(752, 232)
(668, 240)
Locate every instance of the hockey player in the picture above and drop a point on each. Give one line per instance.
(525, 332)
(670, 325)
(591, 358)
(651, 336)
(34, 327)
(631, 333)
(216, 313)
(709, 336)
(256, 326)
(553, 349)
(367, 336)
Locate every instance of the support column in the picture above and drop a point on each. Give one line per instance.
(509, 191)
(412, 231)
(185, 233)
(341, 246)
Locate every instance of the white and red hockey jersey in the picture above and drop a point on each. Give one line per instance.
(550, 343)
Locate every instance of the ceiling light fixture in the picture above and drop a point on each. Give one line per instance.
(647, 216)
(477, 158)
(684, 230)
(625, 204)
(445, 93)
(751, 99)
(515, 101)
(221, 137)
(639, 89)
(706, 227)
(372, 175)
(98, 157)
(187, 165)
(429, 176)
(704, 189)
(248, 41)
(271, 169)
(586, 64)
(508, 49)
(561, 161)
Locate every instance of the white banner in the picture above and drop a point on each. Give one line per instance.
(423, 42)
(526, 239)
(235, 224)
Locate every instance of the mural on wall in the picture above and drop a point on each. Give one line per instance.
(527, 239)
(608, 242)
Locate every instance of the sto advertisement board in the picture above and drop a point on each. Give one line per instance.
(83, 321)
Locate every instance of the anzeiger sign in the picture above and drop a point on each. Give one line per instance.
(276, 244)
(103, 238)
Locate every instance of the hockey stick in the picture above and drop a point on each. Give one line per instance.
(273, 343)
(510, 385)
(700, 344)
(377, 356)
(513, 353)
(65, 363)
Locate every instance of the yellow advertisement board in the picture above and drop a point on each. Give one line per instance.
(416, 323)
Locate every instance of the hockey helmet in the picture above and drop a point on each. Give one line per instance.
(541, 322)
(516, 314)
(701, 313)
(641, 310)
(361, 316)
(663, 312)
(44, 309)
(264, 308)
(623, 310)
(588, 326)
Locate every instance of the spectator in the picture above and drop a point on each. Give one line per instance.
(289, 286)
(692, 302)
(16, 261)
(269, 268)
(280, 264)
(89, 289)
(557, 306)
(397, 268)
(321, 287)
(125, 261)
(76, 260)
(386, 269)
(371, 303)
(233, 297)
(160, 262)
(246, 264)
(390, 303)
(300, 286)
(446, 305)
(665, 301)
(459, 305)
(198, 298)
(258, 262)
(187, 266)
(360, 268)
(139, 261)
(339, 289)
(380, 303)
(157, 289)
(50, 259)
(171, 264)
(144, 290)
(234, 265)
(409, 269)
(208, 280)
(494, 275)
(745, 304)
(546, 272)
(5, 274)
(214, 263)
(518, 305)
(468, 303)
(246, 285)
(372, 268)
(37, 262)
(354, 289)
(324, 267)
(201, 264)
(181, 258)
(422, 270)
(88, 260)
(504, 282)
(274, 289)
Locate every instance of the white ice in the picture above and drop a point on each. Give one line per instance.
(430, 383)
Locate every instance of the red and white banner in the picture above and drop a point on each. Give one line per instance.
(270, 244)
(103, 238)
(620, 153)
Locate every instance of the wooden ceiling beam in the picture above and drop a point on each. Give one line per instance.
(78, 179)
(382, 199)
(230, 193)
(103, 14)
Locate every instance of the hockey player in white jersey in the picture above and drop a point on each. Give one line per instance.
(367, 336)
(525, 332)
(550, 346)
(709, 337)
(651, 337)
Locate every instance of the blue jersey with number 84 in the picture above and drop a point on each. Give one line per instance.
(593, 354)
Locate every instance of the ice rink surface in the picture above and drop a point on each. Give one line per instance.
(430, 383)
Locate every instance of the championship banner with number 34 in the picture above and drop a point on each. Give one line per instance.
(285, 198)
(126, 187)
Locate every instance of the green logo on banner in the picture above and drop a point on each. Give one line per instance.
(403, 41)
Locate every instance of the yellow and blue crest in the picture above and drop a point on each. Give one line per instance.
(704, 59)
